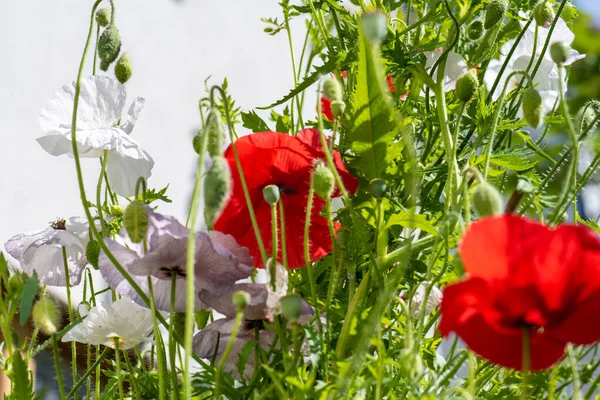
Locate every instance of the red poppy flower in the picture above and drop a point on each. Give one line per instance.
(326, 108)
(524, 275)
(272, 158)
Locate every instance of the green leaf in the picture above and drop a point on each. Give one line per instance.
(22, 386)
(135, 221)
(30, 289)
(374, 126)
(252, 121)
(407, 219)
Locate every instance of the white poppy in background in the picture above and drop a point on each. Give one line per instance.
(41, 251)
(546, 78)
(418, 300)
(100, 127)
(456, 66)
(123, 320)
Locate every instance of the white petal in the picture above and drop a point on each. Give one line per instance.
(491, 74)
(573, 56)
(132, 114)
(56, 144)
(126, 164)
(456, 66)
(79, 227)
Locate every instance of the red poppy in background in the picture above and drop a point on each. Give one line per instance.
(272, 158)
(524, 275)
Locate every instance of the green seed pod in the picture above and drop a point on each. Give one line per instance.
(332, 89)
(271, 194)
(291, 306)
(123, 68)
(46, 316)
(559, 52)
(475, 30)
(135, 221)
(109, 45)
(467, 86)
(494, 12)
(178, 323)
(103, 16)
(378, 188)
(374, 24)
(214, 128)
(533, 107)
(544, 14)
(337, 108)
(116, 210)
(486, 200)
(240, 299)
(217, 189)
(92, 252)
(323, 181)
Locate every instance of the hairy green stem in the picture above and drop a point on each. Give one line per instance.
(234, 332)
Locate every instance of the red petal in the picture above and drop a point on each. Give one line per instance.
(326, 108)
(582, 325)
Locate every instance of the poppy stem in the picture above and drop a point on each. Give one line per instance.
(525, 363)
(118, 369)
(99, 193)
(284, 256)
(57, 367)
(234, 332)
(575, 372)
(172, 343)
(71, 315)
(160, 349)
(274, 246)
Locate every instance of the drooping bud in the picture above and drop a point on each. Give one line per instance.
(374, 25)
(217, 189)
(109, 45)
(378, 188)
(332, 89)
(197, 141)
(486, 200)
(544, 14)
(240, 299)
(467, 86)
(323, 181)
(116, 210)
(494, 12)
(123, 68)
(103, 16)
(46, 316)
(337, 108)
(559, 52)
(291, 306)
(533, 107)
(475, 30)
(342, 236)
(271, 194)
(135, 221)
(104, 65)
(92, 252)
(214, 128)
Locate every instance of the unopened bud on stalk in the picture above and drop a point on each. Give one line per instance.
(271, 194)
(544, 14)
(135, 221)
(323, 181)
(374, 24)
(337, 108)
(240, 299)
(214, 128)
(291, 306)
(103, 16)
(494, 12)
(116, 210)
(109, 45)
(559, 52)
(92, 252)
(217, 189)
(486, 200)
(332, 89)
(467, 86)
(533, 107)
(197, 141)
(475, 30)
(46, 316)
(378, 188)
(123, 68)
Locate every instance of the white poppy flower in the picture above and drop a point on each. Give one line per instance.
(546, 78)
(41, 251)
(456, 66)
(123, 320)
(100, 127)
(418, 301)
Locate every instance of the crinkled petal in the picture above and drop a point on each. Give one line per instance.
(220, 299)
(132, 114)
(126, 164)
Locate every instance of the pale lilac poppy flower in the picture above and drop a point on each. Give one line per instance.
(456, 66)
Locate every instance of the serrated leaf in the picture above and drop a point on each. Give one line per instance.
(252, 121)
(374, 127)
(408, 219)
(135, 221)
(30, 288)
(22, 386)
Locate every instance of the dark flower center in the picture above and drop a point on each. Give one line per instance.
(59, 224)
(173, 269)
(254, 323)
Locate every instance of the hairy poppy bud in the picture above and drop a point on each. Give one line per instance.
(486, 200)
(337, 108)
(475, 30)
(104, 65)
(197, 141)
(374, 25)
(46, 316)
(214, 128)
(123, 68)
(323, 181)
(116, 210)
(103, 16)
(291, 305)
(240, 299)
(533, 107)
(92, 252)
(559, 52)
(271, 194)
(378, 188)
(109, 45)
(342, 236)
(332, 89)
(135, 221)
(544, 14)
(467, 86)
(217, 189)
(494, 12)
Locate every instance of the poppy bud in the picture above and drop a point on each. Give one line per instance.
(495, 12)
(486, 200)
(323, 181)
(559, 52)
(109, 45)
(475, 30)
(467, 86)
(46, 316)
(271, 194)
(240, 299)
(378, 188)
(104, 65)
(116, 210)
(214, 128)
(332, 89)
(103, 16)
(123, 68)
(135, 221)
(374, 25)
(217, 189)
(291, 306)
(544, 14)
(197, 141)
(178, 323)
(92, 253)
(533, 107)
(342, 236)
(337, 108)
